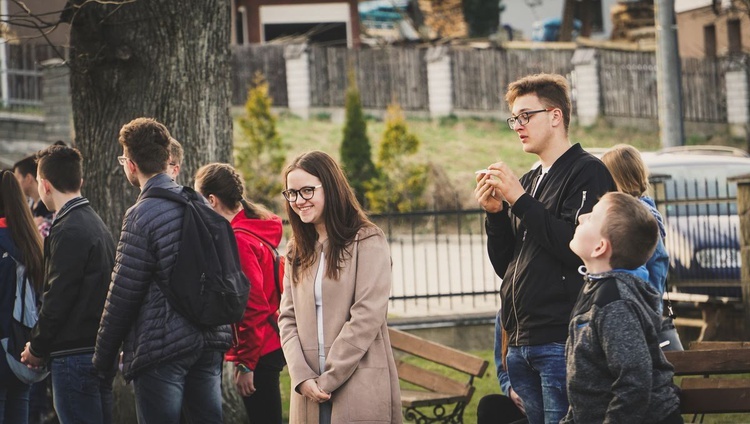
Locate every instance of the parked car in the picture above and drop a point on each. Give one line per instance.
(699, 206)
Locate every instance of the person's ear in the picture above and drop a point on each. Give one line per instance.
(602, 248)
(557, 117)
(46, 186)
(212, 200)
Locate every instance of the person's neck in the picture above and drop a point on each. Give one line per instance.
(60, 199)
(143, 179)
(322, 233)
(556, 148)
(597, 267)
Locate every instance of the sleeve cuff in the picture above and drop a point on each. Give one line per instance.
(522, 205)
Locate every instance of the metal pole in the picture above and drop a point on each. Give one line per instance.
(5, 96)
(668, 76)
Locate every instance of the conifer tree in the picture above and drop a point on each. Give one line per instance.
(356, 159)
(260, 152)
(400, 182)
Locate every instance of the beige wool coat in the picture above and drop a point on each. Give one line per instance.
(360, 372)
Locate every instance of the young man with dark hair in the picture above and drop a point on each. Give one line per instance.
(617, 372)
(173, 364)
(175, 158)
(25, 172)
(78, 260)
(529, 225)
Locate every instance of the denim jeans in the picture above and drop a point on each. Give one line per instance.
(193, 380)
(14, 396)
(537, 374)
(80, 394)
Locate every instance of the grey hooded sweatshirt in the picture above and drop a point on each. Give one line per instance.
(616, 371)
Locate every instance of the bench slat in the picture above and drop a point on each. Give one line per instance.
(719, 345)
(416, 398)
(431, 380)
(725, 361)
(438, 353)
(714, 395)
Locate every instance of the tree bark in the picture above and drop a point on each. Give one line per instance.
(164, 59)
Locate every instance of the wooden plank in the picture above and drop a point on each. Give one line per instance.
(714, 395)
(416, 398)
(718, 345)
(430, 380)
(438, 353)
(700, 362)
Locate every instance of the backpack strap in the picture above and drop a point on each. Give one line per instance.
(276, 256)
(276, 265)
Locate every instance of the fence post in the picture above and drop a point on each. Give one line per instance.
(586, 85)
(298, 79)
(56, 104)
(743, 211)
(439, 81)
(738, 107)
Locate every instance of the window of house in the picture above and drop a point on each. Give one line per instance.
(709, 40)
(734, 36)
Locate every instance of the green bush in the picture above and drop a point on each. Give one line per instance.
(400, 182)
(260, 153)
(356, 159)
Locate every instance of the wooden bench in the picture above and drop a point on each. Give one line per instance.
(705, 388)
(443, 398)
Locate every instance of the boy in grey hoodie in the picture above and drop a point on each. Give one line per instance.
(616, 371)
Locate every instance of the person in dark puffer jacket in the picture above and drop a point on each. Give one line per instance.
(170, 361)
(616, 370)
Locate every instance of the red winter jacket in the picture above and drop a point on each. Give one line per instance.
(254, 335)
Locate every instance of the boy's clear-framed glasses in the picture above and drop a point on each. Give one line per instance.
(306, 193)
(524, 117)
(122, 160)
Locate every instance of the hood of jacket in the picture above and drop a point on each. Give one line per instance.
(636, 287)
(269, 229)
(651, 205)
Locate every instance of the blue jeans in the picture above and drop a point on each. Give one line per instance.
(194, 378)
(80, 395)
(14, 396)
(537, 374)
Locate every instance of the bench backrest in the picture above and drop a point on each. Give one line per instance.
(710, 361)
(464, 362)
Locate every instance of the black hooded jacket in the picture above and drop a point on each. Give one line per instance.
(528, 247)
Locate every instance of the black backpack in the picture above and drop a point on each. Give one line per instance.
(207, 285)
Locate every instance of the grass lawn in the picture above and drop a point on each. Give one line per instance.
(488, 385)
(459, 146)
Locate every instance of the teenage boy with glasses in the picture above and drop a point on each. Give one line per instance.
(529, 225)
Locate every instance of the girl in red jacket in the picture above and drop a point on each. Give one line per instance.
(256, 353)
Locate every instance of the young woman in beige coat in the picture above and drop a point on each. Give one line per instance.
(333, 310)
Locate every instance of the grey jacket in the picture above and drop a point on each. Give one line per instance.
(616, 371)
(136, 314)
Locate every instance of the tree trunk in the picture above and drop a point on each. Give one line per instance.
(164, 59)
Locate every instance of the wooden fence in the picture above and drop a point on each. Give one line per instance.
(480, 77)
(383, 76)
(268, 59)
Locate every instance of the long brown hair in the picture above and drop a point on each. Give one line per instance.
(625, 164)
(23, 232)
(224, 182)
(342, 214)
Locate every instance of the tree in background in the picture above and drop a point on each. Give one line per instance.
(356, 156)
(482, 16)
(400, 182)
(260, 153)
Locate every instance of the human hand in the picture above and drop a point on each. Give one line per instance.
(486, 195)
(517, 400)
(245, 382)
(505, 182)
(29, 359)
(310, 390)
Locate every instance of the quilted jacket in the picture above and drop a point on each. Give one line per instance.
(137, 315)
